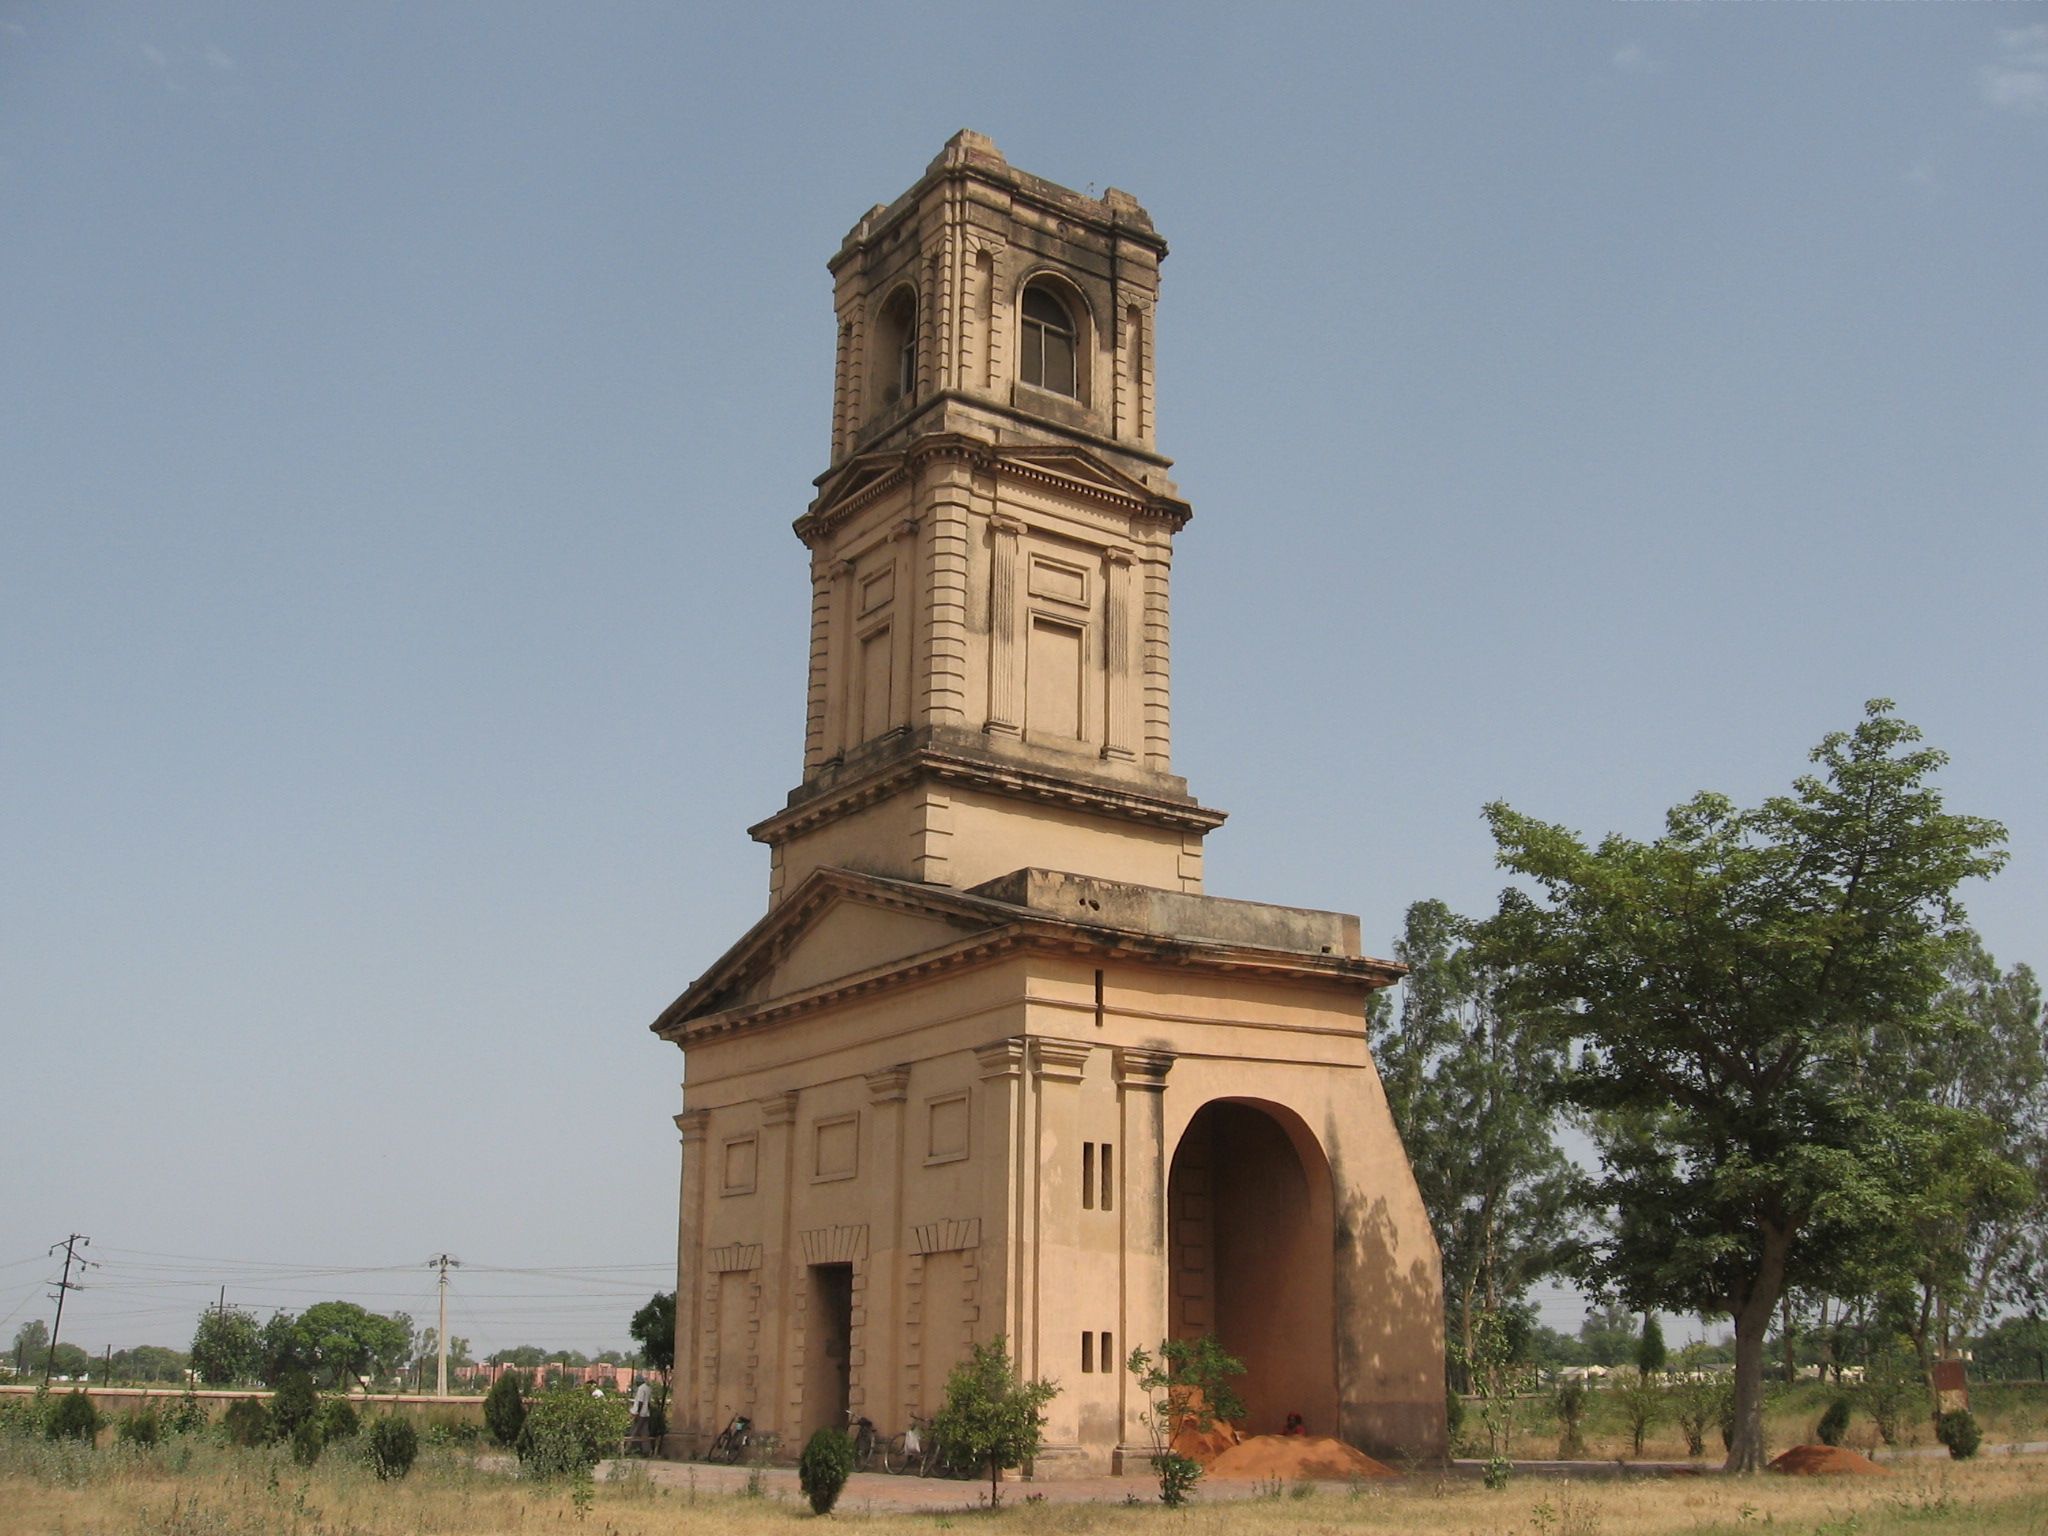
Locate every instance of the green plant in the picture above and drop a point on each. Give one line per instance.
(1834, 1424)
(1568, 1402)
(139, 1426)
(295, 1402)
(394, 1446)
(337, 1421)
(1498, 1470)
(991, 1417)
(505, 1408)
(306, 1442)
(187, 1416)
(246, 1423)
(1187, 1385)
(1957, 1429)
(1642, 1404)
(1892, 1390)
(24, 1417)
(824, 1467)
(72, 1417)
(1454, 1414)
(566, 1429)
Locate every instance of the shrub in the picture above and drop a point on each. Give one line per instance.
(568, 1431)
(139, 1426)
(1569, 1403)
(505, 1409)
(306, 1443)
(1893, 1390)
(1834, 1424)
(991, 1418)
(1454, 1414)
(72, 1417)
(394, 1446)
(1957, 1429)
(24, 1417)
(187, 1416)
(337, 1421)
(246, 1423)
(1642, 1404)
(824, 1467)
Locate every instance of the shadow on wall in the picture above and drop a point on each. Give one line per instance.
(1390, 1329)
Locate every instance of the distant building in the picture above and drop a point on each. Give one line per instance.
(993, 1063)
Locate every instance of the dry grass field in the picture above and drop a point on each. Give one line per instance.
(202, 1490)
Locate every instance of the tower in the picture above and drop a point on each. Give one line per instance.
(993, 1063)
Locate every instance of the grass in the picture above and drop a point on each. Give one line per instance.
(195, 1488)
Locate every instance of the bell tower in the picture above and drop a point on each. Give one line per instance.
(991, 548)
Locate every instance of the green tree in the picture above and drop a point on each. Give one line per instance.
(1650, 1351)
(31, 1344)
(654, 1329)
(505, 1408)
(149, 1362)
(1469, 1078)
(227, 1347)
(1607, 1336)
(336, 1342)
(70, 1360)
(991, 1417)
(1732, 984)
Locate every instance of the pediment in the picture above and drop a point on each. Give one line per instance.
(1078, 469)
(838, 923)
(853, 478)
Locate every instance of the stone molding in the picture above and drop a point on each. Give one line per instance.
(733, 1258)
(951, 1235)
(1001, 1058)
(1142, 1069)
(889, 1086)
(834, 1245)
(694, 1124)
(1059, 1061)
(779, 1108)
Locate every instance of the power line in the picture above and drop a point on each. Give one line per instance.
(65, 1286)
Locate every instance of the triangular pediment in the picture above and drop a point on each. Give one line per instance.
(837, 924)
(854, 477)
(1077, 468)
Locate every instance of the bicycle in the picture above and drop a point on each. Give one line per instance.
(732, 1440)
(865, 1442)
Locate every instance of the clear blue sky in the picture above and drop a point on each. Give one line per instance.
(404, 407)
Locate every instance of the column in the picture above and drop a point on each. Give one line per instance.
(877, 1376)
(773, 1171)
(1141, 1194)
(1005, 629)
(1120, 643)
(1058, 1312)
(686, 1422)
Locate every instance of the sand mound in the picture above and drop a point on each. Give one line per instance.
(1288, 1457)
(1827, 1461)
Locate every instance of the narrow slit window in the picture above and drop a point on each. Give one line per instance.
(1098, 999)
(1087, 1175)
(1088, 1353)
(1108, 1183)
(1103, 1353)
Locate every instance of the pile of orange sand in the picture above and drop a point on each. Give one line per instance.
(1827, 1461)
(1287, 1457)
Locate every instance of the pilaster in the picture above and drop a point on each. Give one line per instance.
(776, 1168)
(1006, 628)
(1141, 1197)
(691, 1126)
(1057, 1068)
(877, 1375)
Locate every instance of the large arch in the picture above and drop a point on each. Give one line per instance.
(1252, 1226)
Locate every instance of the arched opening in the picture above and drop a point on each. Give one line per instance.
(1049, 342)
(1253, 1257)
(896, 346)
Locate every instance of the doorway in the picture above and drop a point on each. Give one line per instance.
(828, 1374)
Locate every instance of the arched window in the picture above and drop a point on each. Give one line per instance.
(1050, 343)
(896, 346)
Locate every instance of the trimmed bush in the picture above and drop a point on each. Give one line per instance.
(394, 1446)
(72, 1417)
(1958, 1431)
(568, 1432)
(505, 1408)
(139, 1426)
(246, 1423)
(826, 1464)
(1834, 1424)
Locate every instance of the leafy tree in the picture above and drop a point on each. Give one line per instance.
(294, 1404)
(525, 1356)
(991, 1417)
(1608, 1335)
(2015, 1348)
(31, 1344)
(654, 1329)
(1642, 1404)
(1468, 1079)
(336, 1342)
(149, 1362)
(227, 1347)
(1650, 1351)
(70, 1360)
(1188, 1384)
(1733, 986)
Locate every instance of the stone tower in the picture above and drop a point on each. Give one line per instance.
(992, 1063)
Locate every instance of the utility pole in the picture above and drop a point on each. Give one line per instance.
(444, 1263)
(70, 1245)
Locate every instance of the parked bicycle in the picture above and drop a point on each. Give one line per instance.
(732, 1440)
